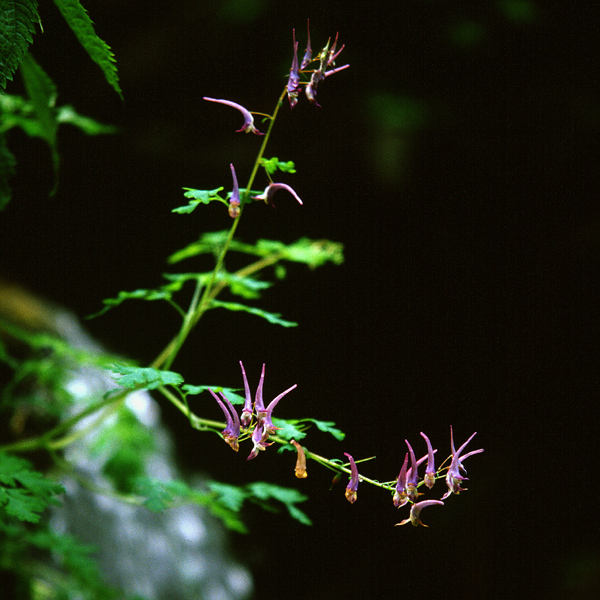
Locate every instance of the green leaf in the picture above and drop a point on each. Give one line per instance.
(231, 496)
(7, 170)
(17, 26)
(247, 287)
(160, 495)
(315, 253)
(230, 393)
(328, 427)
(24, 493)
(289, 497)
(271, 317)
(67, 114)
(42, 93)
(144, 377)
(82, 26)
(272, 164)
(199, 197)
(289, 430)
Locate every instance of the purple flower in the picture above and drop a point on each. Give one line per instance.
(327, 58)
(270, 190)
(259, 439)
(415, 511)
(400, 498)
(247, 412)
(231, 433)
(293, 83)
(248, 125)
(234, 201)
(263, 414)
(308, 52)
(352, 486)
(429, 477)
(453, 476)
(412, 479)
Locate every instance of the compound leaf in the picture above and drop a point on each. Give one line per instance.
(24, 492)
(144, 377)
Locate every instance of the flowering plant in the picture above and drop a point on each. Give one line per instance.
(256, 423)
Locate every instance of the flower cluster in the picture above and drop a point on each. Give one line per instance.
(407, 483)
(255, 418)
(326, 67)
(325, 58)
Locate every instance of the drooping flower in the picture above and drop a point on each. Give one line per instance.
(270, 190)
(453, 476)
(300, 468)
(400, 497)
(234, 201)
(259, 439)
(293, 83)
(415, 511)
(247, 411)
(412, 479)
(352, 487)
(248, 125)
(327, 58)
(308, 52)
(429, 477)
(263, 414)
(231, 433)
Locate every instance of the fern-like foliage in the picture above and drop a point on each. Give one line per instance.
(17, 25)
(99, 51)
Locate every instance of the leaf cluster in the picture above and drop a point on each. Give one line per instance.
(24, 492)
(37, 114)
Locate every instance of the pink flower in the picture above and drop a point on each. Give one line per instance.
(231, 433)
(248, 125)
(270, 190)
(453, 476)
(234, 201)
(415, 511)
(352, 487)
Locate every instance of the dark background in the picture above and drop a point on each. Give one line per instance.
(457, 161)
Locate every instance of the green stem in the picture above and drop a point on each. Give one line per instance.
(197, 309)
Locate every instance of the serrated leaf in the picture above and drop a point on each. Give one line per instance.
(271, 317)
(79, 21)
(199, 197)
(328, 427)
(17, 26)
(288, 429)
(24, 492)
(144, 377)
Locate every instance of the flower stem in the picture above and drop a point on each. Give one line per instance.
(199, 307)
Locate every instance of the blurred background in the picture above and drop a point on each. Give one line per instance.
(456, 160)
